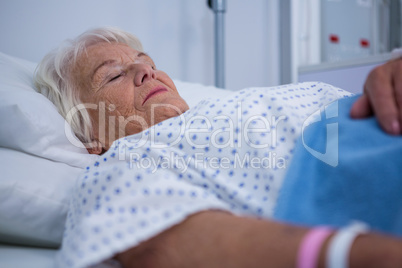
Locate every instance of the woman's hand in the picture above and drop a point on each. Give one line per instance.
(383, 97)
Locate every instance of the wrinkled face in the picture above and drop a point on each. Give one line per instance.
(123, 91)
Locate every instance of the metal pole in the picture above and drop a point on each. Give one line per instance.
(219, 8)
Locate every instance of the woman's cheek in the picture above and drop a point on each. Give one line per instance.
(165, 79)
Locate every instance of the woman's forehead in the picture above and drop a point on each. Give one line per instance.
(97, 54)
(102, 51)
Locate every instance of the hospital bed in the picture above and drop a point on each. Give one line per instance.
(28, 236)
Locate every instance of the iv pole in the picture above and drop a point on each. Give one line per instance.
(219, 8)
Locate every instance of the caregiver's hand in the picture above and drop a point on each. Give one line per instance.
(383, 97)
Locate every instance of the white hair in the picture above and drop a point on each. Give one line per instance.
(53, 75)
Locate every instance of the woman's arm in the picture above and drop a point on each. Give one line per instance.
(218, 239)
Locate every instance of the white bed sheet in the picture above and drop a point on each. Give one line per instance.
(26, 257)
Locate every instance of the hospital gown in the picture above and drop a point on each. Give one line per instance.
(227, 154)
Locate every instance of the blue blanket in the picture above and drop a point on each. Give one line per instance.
(358, 178)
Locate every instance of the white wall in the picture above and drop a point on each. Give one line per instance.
(178, 34)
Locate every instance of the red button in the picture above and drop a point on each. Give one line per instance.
(364, 42)
(334, 38)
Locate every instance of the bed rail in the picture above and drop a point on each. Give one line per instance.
(219, 8)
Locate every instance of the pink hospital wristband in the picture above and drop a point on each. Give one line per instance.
(310, 246)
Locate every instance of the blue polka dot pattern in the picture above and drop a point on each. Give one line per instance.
(229, 154)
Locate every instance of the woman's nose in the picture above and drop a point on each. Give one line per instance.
(143, 73)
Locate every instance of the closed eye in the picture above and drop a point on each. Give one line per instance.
(116, 77)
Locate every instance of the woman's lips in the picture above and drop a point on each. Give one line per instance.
(154, 92)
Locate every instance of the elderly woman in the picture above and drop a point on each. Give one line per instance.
(180, 187)
(116, 75)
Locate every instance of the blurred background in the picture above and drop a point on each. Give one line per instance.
(267, 42)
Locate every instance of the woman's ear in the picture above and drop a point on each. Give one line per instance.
(95, 147)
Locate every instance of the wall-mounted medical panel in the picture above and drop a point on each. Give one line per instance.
(353, 29)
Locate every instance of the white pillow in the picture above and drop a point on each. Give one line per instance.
(39, 165)
(29, 122)
(193, 93)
